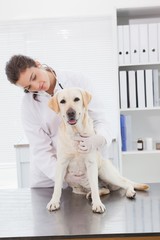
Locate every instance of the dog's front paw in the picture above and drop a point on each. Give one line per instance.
(130, 193)
(53, 205)
(98, 207)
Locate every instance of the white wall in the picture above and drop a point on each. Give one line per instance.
(22, 9)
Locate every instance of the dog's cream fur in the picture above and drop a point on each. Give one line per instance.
(71, 104)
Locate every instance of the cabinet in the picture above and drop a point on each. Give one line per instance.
(138, 34)
(23, 164)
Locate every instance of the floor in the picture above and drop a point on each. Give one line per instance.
(24, 211)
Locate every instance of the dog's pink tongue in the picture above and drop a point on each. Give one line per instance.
(72, 122)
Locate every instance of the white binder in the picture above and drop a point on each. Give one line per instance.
(153, 42)
(134, 43)
(159, 42)
(126, 44)
(132, 89)
(140, 89)
(123, 89)
(120, 45)
(149, 88)
(143, 43)
(156, 90)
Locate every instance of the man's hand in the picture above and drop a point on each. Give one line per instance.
(88, 144)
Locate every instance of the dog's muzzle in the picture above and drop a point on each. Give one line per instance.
(71, 115)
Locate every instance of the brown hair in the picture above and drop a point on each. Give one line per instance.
(16, 65)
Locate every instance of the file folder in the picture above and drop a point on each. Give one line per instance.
(120, 45)
(140, 89)
(126, 132)
(149, 88)
(123, 133)
(134, 43)
(123, 89)
(126, 41)
(156, 88)
(128, 121)
(159, 42)
(143, 43)
(153, 42)
(132, 89)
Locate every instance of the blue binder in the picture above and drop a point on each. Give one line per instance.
(123, 132)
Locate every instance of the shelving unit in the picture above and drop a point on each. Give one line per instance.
(144, 152)
(140, 109)
(140, 165)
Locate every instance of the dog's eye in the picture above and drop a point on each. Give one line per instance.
(76, 99)
(63, 101)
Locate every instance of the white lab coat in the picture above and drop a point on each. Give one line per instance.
(41, 124)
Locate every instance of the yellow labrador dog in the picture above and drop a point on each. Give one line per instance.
(71, 104)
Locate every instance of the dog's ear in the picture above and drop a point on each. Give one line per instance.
(53, 104)
(86, 98)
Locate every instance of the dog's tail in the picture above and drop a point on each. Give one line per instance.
(140, 186)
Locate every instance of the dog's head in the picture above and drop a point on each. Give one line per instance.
(71, 103)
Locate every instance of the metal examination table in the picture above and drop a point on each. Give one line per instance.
(23, 215)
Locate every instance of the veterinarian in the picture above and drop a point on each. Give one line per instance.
(40, 82)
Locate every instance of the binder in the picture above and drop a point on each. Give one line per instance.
(143, 43)
(149, 88)
(126, 132)
(159, 42)
(123, 132)
(126, 44)
(120, 45)
(123, 89)
(156, 88)
(153, 42)
(140, 89)
(134, 43)
(132, 89)
(128, 123)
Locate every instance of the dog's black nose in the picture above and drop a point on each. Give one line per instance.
(71, 113)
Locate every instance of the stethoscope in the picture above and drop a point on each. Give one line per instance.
(54, 74)
(60, 85)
